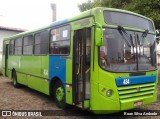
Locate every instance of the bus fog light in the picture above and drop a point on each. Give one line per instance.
(109, 93)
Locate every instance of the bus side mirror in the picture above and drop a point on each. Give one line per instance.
(99, 36)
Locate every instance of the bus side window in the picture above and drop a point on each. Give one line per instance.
(41, 43)
(28, 45)
(18, 46)
(11, 47)
(60, 40)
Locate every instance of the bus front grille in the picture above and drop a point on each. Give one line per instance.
(136, 91)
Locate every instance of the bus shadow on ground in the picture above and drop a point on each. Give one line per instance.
(69, 111)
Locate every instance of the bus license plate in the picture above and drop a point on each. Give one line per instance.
(138, 103)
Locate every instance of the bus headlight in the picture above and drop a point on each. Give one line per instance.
(109, 92)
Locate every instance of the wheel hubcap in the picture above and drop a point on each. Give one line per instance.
(60, 94)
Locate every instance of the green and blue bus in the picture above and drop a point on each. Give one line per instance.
(102, 60)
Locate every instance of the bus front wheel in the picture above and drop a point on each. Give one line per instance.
(59, 95)
(14, 79)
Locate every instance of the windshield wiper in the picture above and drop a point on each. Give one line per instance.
(131, 40)
(128, 40)
(144, 34)
(139, 45)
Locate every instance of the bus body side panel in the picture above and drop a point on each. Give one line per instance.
(33, 73)
(45, 75)
(11, 65)
(38, 84)
(69, 80)
(57, 68)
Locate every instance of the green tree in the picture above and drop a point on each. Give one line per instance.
(103, 3)
(89, 5)
(148, 8)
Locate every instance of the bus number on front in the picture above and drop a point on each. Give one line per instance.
(126, 81)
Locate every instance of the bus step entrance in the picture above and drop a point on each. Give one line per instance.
(81, 66)
(79, 105)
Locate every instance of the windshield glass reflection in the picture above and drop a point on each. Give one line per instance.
(127, 52)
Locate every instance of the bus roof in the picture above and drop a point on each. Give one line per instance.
(84, 14)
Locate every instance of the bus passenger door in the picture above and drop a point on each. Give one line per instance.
(6, 60)
(81, 67)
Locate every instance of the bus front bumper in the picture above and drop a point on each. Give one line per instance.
(100, 104)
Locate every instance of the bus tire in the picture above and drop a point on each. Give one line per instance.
(59, 95)
(14, 79)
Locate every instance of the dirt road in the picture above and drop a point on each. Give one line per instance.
(27, 99)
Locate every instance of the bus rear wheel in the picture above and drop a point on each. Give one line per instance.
(59, 95)
(14, 79)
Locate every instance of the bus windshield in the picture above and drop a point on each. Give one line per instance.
(130, 20)
(127, 53)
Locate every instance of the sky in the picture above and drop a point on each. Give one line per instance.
(31, 14)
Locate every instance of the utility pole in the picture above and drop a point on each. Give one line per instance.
(53, 7)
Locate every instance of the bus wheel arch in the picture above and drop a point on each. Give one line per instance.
(52, 83)
(14, 79)
(13, 70)
(57, 91)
